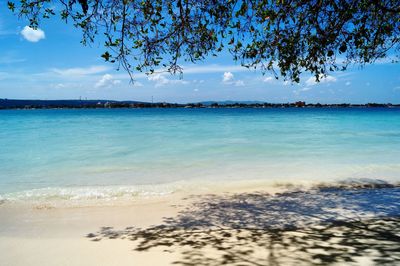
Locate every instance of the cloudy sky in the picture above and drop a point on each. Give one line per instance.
(50, 63)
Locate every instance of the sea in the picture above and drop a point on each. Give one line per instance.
(106, 155)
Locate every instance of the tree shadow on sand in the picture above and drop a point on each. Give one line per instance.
(321, 226)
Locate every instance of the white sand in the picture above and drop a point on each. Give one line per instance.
(32, 236)
(42, 235)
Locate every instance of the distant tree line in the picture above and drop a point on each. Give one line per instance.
(92, 104)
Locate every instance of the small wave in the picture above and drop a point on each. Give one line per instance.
(116, 195)
(88, 195)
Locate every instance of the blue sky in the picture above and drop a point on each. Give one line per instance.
(53, 64)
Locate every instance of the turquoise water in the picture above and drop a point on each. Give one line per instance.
(121, 151)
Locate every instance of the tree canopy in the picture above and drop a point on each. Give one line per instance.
(286, 37)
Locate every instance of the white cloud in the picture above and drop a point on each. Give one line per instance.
(229, 78)
(204, 69)
(58, 85)
(199, 69)
(328, 79)
(268, 79)
(160, 80)
(106, 81)
(32, 35)
(212, 69)
(79, 71)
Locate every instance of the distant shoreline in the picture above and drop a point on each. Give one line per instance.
(7, 104)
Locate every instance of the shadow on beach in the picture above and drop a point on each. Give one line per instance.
(321, 226)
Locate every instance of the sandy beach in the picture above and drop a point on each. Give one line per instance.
(199, 133)
(328, 225)
(57, 236)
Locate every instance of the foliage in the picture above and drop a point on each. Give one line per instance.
(286, 37)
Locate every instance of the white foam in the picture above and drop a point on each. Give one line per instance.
(116, 195)
(90, 195)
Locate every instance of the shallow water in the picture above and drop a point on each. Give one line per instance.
(132, 152)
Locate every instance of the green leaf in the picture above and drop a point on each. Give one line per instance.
(11, 6)
(106, 56)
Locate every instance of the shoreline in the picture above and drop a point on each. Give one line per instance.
(125, 195)
(210, 228)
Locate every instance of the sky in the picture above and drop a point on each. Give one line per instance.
(51, 63)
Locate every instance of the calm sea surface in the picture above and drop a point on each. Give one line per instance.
(70, 153)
